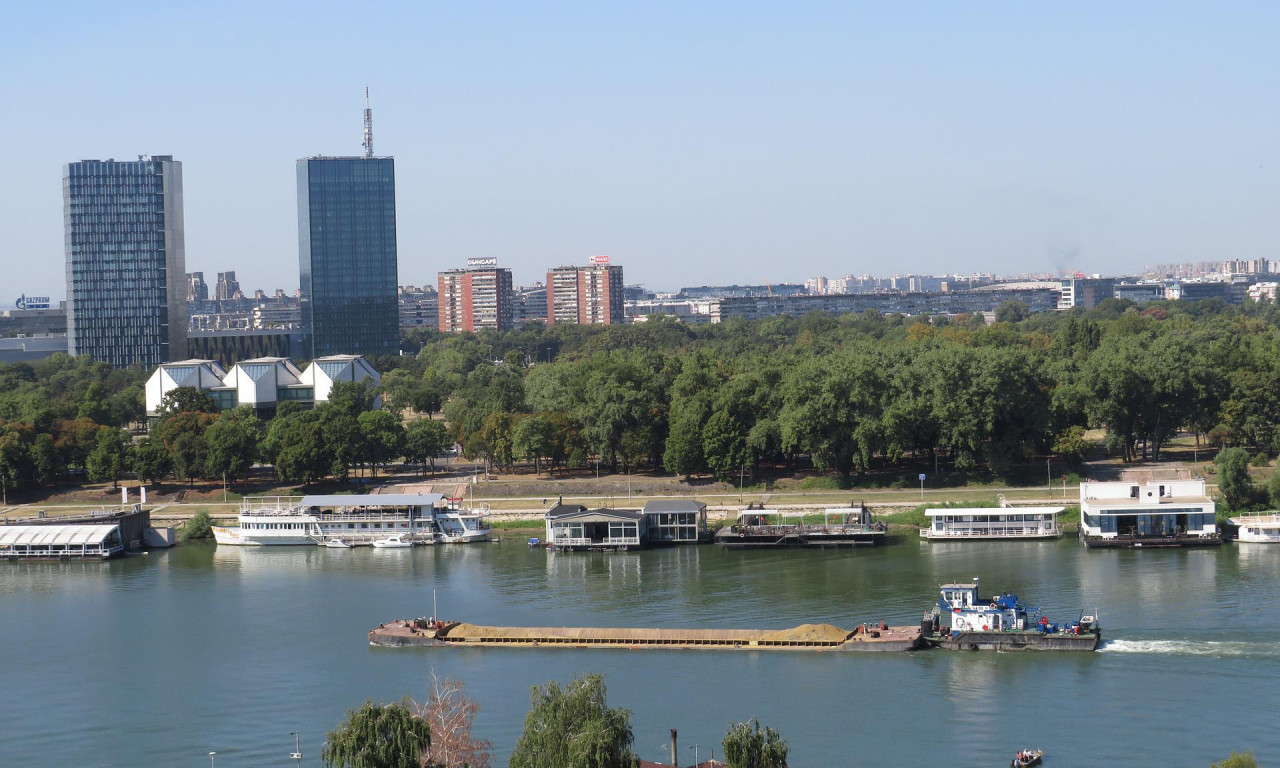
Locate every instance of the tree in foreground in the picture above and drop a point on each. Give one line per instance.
(746, 745)
(379, 736)
(573, 727)
(449, 713)
(1238, 760)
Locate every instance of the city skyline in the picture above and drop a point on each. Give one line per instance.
(774, 143)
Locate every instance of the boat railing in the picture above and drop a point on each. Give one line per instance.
(264, 504)
(608, 541)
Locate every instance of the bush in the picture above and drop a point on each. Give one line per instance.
(1260, 460)
(200, 526)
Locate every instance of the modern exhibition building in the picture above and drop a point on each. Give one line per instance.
(262, 383)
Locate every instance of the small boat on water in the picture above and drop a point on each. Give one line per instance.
(393, 542)
(1027, 758)
(964, 621)
(337, 544)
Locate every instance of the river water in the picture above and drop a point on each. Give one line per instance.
(159, 659)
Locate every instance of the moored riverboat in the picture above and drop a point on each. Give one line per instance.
(1152, 515)
(1258, 529)
(963, 620)
(432, 633)
(780, 529)
(356, 520)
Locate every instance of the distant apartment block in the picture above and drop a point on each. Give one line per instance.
(591, 295)
(126, 261)
(419, 307)
(475, 298)
(197, 288)
(227, 287)
(1038, 299)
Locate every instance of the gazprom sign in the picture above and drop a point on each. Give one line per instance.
(32, 302)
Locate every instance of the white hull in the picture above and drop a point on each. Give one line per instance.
(238, 537)
(466, 538)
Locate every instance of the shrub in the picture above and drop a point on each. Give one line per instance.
(200, 526)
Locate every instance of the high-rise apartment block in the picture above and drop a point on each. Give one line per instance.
(197, 288)
(347, 255)
(475, 298)
(227, 286)
(126, 263)
(591, 295)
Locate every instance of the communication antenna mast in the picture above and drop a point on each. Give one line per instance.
(368, 125)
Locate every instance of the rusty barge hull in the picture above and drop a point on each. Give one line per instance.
(401, 634)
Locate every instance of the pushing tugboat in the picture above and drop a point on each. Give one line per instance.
(965, 621)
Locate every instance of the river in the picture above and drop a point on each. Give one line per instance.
(158, 659)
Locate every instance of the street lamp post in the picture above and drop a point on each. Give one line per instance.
(296, 754)
(211, 754)
(548, 354)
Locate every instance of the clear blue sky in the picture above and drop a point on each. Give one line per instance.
(692, 142)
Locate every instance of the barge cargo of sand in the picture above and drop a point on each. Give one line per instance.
(806, 637)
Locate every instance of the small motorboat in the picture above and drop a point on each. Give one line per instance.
(535, 542)
(1027, 758)
(393, 542)
(337, 544)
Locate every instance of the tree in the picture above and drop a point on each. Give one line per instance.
(109, 457)
(1238, 760)
(45, 459)
(1072, 446)
(747, 746)
(186, 400)
(424, 440)
(353, 397)
(303, 455)
(200, 526)
(232, 443)
(381, 438)
(1233, 478)
(379, 736)
(533, 438)
(573, 727)
(1012, 312)
(450, 713)
(150, 460)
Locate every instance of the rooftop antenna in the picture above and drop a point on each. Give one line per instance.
(368, 126)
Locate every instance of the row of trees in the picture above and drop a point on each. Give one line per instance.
(566, 727)
(856, 390)
(846, 394)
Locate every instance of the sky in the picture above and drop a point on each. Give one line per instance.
(692, 142)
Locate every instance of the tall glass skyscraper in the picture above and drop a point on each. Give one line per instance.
(126, 262)
(347, 255)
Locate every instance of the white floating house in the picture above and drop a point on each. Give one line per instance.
(262, 383)
(675, 521)
(1259, 529)
(573, 526)
(1163, 513)
(986, 523)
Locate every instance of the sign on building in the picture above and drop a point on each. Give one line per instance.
(32, 302)
(600, 260)
(482, 261)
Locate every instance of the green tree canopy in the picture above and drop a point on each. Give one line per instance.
(747, 745)
(1234, 482)
(186, 400)
(425, 439)
(378, 736)
(573, 727)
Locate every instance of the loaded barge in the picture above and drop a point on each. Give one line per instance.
(807, 637)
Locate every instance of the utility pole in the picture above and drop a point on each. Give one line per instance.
(1048, 473)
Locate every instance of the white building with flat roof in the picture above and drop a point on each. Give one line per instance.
(1155, 513)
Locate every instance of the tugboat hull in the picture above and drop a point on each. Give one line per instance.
(1015, 641)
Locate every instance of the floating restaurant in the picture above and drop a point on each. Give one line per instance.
(1163, 513)
(783, 529)
(60, 542)
(986, 524)
(1258, 529)
(574, 527)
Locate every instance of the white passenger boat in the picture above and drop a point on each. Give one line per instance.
(356, 519)
(393, 542)
(1258, 529)
(337, 544)
(458, 527)
(991, 523)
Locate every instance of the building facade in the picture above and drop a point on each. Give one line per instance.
(126, 260)
(347, 255)
(591, 295)
(474, 299)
